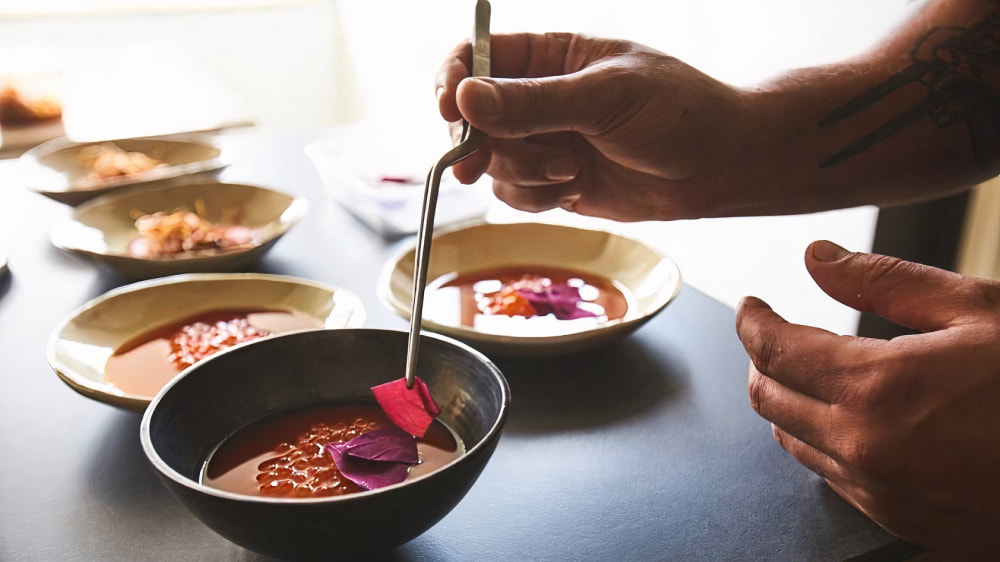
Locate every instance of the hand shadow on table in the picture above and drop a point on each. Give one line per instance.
(590, 388)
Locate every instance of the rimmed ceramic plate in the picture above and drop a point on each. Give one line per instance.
(80, 346)
(648, 278)
(59, 168)
(103, 228)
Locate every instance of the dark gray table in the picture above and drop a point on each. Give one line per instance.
(643, 450)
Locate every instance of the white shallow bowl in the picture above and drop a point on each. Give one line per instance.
(54, 170)
(81, 344)
(651, 277)
(101, 229)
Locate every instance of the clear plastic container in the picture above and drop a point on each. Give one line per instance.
(378, 174)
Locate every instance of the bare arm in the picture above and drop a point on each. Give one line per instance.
(916, 117)
(615, 129)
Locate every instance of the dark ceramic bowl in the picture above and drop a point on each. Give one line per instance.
(208, 402)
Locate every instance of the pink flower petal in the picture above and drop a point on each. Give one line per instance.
(412, 409)
(561, 300)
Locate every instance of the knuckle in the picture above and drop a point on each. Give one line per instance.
(871, 449)
(765, 350)
(885, 273)
(757, 391)
(531, 104)
(979, 294)
(607, 85)
(868, 456)
(875, 384)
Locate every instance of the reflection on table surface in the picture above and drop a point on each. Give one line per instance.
(643, 449)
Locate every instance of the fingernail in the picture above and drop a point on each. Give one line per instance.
(569, 203)
(485, 96)
(826, 251)
(562, 169)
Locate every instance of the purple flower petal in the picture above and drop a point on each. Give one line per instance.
(559, 299)
(574, 312)
(388, 444)
(370, 475)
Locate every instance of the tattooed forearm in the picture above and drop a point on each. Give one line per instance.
(960, 70)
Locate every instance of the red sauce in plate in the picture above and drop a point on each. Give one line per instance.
(466, 300)
(145, 363)
(284, 455)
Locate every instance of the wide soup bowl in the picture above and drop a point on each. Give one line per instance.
(102, 229)
(83, 343)
(210, 401)
(649, 278)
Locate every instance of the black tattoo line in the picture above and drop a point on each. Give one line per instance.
(950, 63)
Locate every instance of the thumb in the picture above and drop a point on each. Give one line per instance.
(916, 296)
(514, 108)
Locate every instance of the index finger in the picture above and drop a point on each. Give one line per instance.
(515, 55)
(454, 69)
(809, 360)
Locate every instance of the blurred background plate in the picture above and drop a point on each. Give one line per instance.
(103, 228)
(14, 141)
(61, 169)
(79, 347)
(650, 279)
(30, 107)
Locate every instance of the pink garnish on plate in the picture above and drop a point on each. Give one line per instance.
(558, 299)
(412, 409)
(375, 459)
(408, 180)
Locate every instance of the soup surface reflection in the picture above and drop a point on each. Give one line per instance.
(519, 300)
(284, 455)
(145, 363)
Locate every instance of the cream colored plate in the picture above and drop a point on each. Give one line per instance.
(652, 278)
(102, 228)
(81, 344)
(53, 168)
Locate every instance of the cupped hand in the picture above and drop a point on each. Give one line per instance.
(600, 127)
(907, 430)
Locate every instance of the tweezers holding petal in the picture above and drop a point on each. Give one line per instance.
(472, 139)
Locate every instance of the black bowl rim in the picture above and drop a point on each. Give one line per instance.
(165, 470)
